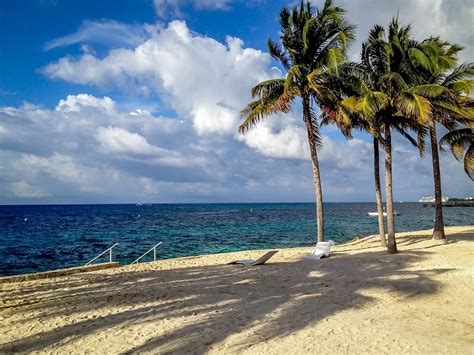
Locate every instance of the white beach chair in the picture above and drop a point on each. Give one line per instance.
(260, 261)
(322, 250)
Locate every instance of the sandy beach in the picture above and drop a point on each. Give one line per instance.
(360, 300)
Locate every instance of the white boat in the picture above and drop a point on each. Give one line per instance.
(375, 214)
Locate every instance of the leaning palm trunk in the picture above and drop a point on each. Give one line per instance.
(392, 244)
(316, 176)
(378, 193)
(438, 231)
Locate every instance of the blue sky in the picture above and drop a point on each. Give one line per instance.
(27, 30)
(125, 101)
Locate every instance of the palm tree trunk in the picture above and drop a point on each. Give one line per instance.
(438, 230)
(392, 244)
(378, 193)
(316, 175)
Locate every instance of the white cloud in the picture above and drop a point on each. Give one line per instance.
(90, 154)
(74, 103)
(4, 92)
(202, 79)
(23, 189)
(352, 155)
(91, 146)
(450, 19)
(119, 140)
(112, 33)
(164, 7)
(289, 141)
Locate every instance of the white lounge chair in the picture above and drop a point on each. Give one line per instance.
(260, 261)
(322, 250)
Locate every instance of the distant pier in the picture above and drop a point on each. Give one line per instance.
(452, 203)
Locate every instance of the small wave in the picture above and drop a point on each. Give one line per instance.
(47, 254)
(213, 212)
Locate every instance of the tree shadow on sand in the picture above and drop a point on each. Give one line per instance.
(216, 301)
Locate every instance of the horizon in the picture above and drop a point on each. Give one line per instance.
(209, 203)
(196, 203)
(140, 102)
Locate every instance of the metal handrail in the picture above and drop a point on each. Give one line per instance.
(154, 253)
(105, 251)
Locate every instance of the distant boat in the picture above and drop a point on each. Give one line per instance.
(375, 214)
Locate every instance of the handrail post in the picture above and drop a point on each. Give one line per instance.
(149, 250)
(105, 251)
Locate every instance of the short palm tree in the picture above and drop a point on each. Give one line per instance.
(311, 41)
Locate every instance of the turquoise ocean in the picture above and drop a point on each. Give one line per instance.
(39, 238)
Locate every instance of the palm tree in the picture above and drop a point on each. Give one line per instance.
(310, 42)
(334, 88)
(392, 98)
(386, 96)
(448, 95)
(344, 107)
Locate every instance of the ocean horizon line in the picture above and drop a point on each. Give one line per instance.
(190, 203)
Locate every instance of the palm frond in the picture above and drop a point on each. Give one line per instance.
(469, 161)
(395, 79)
(257, 110)
(414, 106)
(277, 52)
(406, 135)
(463, 86)
(463, 71)
(269, 87)
(418, 57)
(335, 58)
(461, 143)
(458, 141)
(316, 130)
(428, 90)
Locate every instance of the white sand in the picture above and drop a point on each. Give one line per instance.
(361, 300)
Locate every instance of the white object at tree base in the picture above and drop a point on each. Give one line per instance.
(322, 250)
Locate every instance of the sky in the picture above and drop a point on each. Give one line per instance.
(138, 101)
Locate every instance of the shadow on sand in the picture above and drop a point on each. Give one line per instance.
(216, 301)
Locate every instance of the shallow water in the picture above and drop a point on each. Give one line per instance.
(40, 238)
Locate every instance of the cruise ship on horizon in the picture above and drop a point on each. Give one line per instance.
(428, 199)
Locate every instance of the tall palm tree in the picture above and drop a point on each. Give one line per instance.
(333, 89)
(432, 62)
(344, 107)
(391, 97)
(311, 41)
